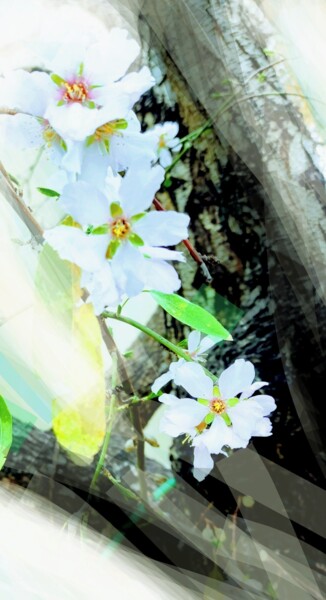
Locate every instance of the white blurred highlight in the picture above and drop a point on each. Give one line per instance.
(43, 560)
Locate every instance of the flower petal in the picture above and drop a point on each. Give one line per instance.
(134, 85)
(163, 253)
(192, 377)
(251, 389)
(86, 251)
(244, 417)
(108, 60)
(160, 276)
(163, 228)
(207, 343)
(86, 204)
(161, 381)
(236, 378)
(103, 292)
(27, 92)
(165, 157)
(263, 428)
(128, 270)
(182, 414)
(139, 186)
(203, 462)
(193, 341)
(265, 403)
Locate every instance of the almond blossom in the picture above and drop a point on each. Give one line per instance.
(216, 417)
(163, 138)
(117, 237)
(86, 87)
(196, 348)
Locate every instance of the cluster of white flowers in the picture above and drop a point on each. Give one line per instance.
(219, 414)
(80, 113)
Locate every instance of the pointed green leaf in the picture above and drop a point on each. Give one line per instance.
(191, 314)
(57, 79)
(5, 431)
(115, 210)
(48, 192)
(135, 239)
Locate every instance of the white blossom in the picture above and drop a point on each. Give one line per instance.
(87, 88)
(117, 237)
(164, 140)
(225, 415)
(196, 348)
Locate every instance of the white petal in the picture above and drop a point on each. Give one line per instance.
(203, 462)
(110, 59)
(193, 341)
(255, 386)
(86, 204)
(244, 417)
(263, 428)
(134, 85)
(86, 251)
(160, 276)
(73, 158)
(165, 157)
(102, 289)
(194, 380)
(163, 253)
(139, 186)
(125, 147)
(215, 437)
(169, 399)
(128, 270)
(163, 228)
(207, 343)
(265, 403)
(27, 92)
(77, 122)
(22, 131)
(161, 381)
(183, 413)
(236, 378)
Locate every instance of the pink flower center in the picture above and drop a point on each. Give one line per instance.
(76, 91)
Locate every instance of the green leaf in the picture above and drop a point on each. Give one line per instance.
(57, 79)
(115, 210)
(191, 314)
(135, 239)
(5, 431)
(48, 192)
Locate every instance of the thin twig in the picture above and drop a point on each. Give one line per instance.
(18, 205)
(192, 251)
(134, 410)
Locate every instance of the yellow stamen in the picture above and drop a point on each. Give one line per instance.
(217, 406)
(75, 92)
(120, 228)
